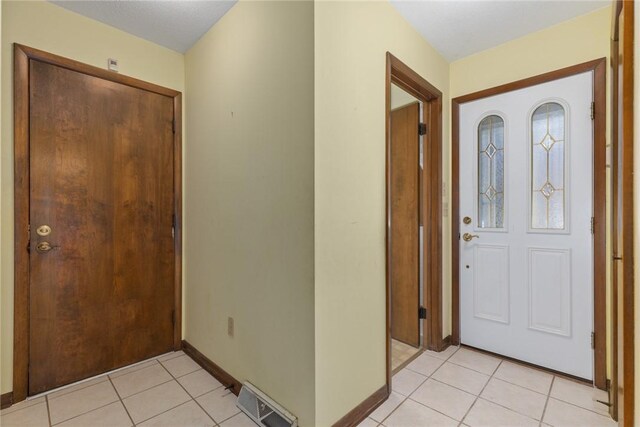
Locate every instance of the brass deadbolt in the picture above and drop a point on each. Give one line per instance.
(43, 230)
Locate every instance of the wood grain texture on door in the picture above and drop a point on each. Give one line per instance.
(622, 392)
(405, 238)
(101, 162)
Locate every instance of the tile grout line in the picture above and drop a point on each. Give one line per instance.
(432, 409)
(139, 367)
(142, 391)
(173, 379)
(189, 394)
(544, 411)
(452, 386)
(501, 405)
(165, 411)
(508, 409)
(106, 378)
(523, 364)
(85, 413)
(607, 416)
(521, 386)
(475, 370)
(20, 406)
(242, 413)
(50, 394)
(481, 391)
(46, 400)
(67, 388)
(425, 380)
(121, 401)
(516, 385)
(554, 376)
(173, 356)
(403, 400)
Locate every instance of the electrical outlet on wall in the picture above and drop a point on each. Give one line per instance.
(230, 330)
(112, 64)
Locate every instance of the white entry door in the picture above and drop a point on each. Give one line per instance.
(526, 203)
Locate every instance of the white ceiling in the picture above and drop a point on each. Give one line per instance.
(458, 28)
(176, 24)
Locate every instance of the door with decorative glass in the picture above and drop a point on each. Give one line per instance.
(526, 203)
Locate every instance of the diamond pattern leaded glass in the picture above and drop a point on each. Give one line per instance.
(547, 167)
(491, 172)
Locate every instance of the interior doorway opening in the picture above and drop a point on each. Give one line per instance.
(414, 220)
(407, 266)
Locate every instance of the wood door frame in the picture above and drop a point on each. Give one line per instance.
(22, 55)
(622, 395)
(404, 77)
(598, 67)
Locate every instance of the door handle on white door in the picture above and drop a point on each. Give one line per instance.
(467, 237)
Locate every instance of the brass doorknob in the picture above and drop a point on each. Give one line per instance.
(467, 237)
(44, 247)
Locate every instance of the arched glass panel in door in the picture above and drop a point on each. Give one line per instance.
(548, 167)
(491, 172)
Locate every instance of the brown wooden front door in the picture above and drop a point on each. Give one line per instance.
(405, 228)
(102, 180)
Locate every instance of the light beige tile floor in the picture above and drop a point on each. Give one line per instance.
(464, 387)
(400, 353)
(457, 387)
(171, 390)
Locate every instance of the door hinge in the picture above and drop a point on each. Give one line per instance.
(593, 220)
(422, 313)
(593, 110)
(593, 340)
(422, 129)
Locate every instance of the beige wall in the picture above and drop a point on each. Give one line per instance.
(48, 27)
(351, 40)
(249, 199)
(572, 42)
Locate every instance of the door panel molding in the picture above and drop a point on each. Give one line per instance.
(541, 279)
(23, 55)
(598, 66)
(491, 270)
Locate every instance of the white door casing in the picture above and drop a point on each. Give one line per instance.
(526, 281)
